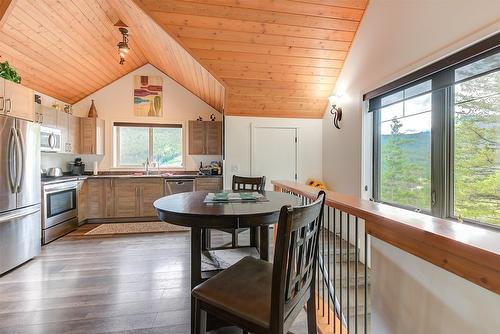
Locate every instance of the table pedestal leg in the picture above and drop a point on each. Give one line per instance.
(264, 243)
(195, 267)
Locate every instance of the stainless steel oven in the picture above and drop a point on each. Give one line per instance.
(59, 209)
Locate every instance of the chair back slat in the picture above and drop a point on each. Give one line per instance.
(241, 183)
(295, 259)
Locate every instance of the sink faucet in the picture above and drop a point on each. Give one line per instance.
(146, 166)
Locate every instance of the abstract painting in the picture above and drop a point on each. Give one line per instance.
(148, 96)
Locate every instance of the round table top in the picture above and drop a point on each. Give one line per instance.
(189, 209)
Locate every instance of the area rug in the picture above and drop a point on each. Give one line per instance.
(141, 227)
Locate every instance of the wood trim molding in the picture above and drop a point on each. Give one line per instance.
(471, 252)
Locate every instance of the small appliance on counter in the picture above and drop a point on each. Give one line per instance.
(54, 172)
(215, 168)
(77, 167)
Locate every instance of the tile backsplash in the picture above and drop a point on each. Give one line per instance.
(62, 160)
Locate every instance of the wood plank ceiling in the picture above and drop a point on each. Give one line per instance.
(67, 49)
(276, 58)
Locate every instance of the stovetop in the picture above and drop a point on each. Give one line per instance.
(59, 179)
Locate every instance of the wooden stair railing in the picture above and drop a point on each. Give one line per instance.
(343, 278)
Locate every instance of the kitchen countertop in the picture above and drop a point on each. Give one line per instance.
(70, 178)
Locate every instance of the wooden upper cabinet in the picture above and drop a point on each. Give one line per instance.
(205, 138)
(48, 116)
(73, 134)
(62, 125)
(196, 137)
(92, 136)
(213, 137)
(16, 100)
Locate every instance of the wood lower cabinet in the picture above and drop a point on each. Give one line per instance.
(150, 191)
(122, 198)
(83, 198)
(126, 198)
(208, 184)
(100, 198)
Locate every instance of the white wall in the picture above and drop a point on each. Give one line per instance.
(237, 145)
(420, 298)
(114, 103)
(395, 38)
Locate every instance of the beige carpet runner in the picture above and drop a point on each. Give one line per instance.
(141, 227)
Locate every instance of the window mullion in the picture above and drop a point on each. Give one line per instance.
(150, 148)
(439, 145)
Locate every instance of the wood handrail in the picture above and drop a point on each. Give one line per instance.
(471, 252)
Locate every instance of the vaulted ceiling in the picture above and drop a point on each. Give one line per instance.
(276, 58)
(67, 48)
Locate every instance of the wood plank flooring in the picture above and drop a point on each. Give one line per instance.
(136, 283)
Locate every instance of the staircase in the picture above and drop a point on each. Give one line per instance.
(347, 278)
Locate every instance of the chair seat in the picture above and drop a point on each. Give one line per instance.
(243, 290)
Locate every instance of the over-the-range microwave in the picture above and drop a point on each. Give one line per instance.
(50, 139)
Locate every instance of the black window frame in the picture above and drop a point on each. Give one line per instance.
(443, 122)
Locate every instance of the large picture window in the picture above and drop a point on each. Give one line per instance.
(137, 143)
(437, 142)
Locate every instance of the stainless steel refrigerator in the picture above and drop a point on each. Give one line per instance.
(20, 218)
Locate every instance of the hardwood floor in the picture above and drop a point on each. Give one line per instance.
(97, 284)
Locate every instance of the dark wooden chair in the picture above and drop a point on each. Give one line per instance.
(260, 297)
(240, 183)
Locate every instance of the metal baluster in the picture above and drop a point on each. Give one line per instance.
(366, 281)
(348, 272)
(334, 270)
(323, 285)
(328, 254)
(356, 279)
(340, 267)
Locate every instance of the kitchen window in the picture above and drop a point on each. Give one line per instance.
(437, 142)
(136, 143)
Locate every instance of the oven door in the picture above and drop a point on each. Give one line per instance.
(60, 203)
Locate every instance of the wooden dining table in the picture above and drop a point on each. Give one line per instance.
(189, 209)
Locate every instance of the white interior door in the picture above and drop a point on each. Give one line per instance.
(274, 153)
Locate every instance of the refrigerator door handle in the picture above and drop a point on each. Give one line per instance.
(20, 162)
(19, 213)
(10, 151)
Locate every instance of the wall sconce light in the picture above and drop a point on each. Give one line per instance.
(123, 47)
(335, 110)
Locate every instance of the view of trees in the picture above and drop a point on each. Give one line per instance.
(405, 167)
(477, 149)
(406, 155)
(166, 150)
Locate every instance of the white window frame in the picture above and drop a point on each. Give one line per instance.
(150, 127)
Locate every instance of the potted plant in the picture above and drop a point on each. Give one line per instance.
(9, 73)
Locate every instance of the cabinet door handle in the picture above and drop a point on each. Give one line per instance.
(8, 105)
(2, 103)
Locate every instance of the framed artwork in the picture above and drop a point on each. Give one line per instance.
(148, 96)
